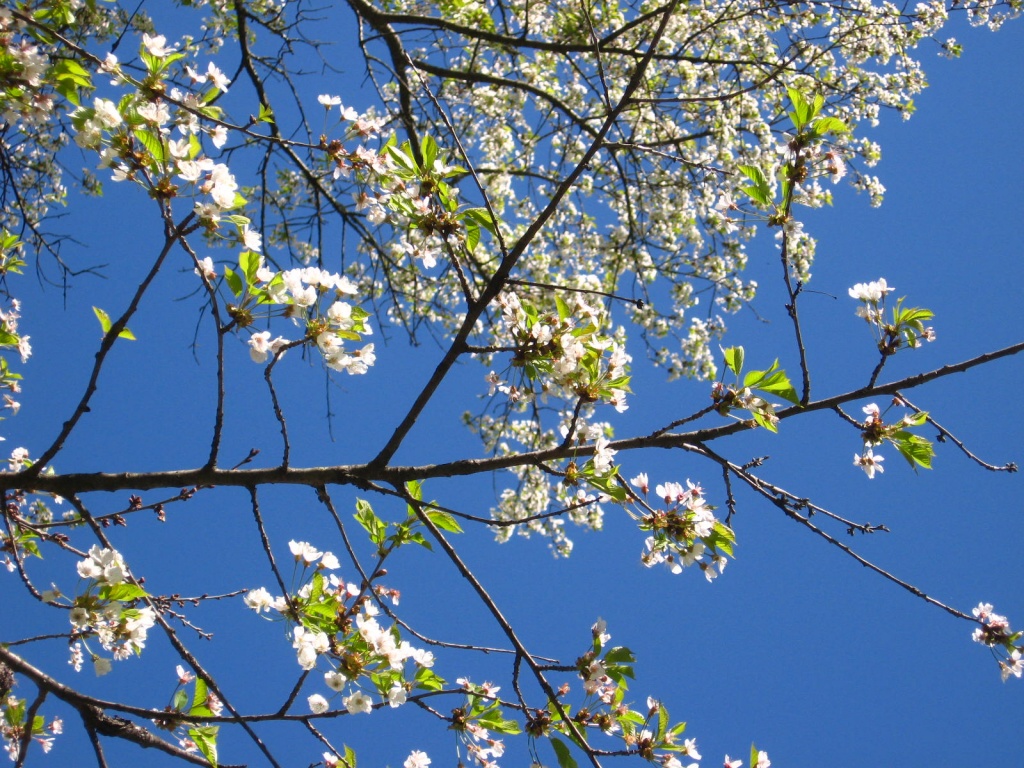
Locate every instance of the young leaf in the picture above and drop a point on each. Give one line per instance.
(206, 739)
(918, 451)
(825, 125)
(801, 109)
(199, 696)
(123, 592)
(429, 680)
(153, 144)
(249, 263)
(443, 520)
(234, 281)
(774, 380)
(374, 526)
(415, 489)
(428, 149)
(179, 701)
(105, 324)
(104, 319)
(734, 359)
(565, 759)
(720, 539)
(662, 721)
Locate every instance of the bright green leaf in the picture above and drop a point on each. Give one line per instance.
(734, 359)
(443, 520)
(104, 319)
(565, 759)
(206, 739)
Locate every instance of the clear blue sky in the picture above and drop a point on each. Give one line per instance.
(796, 647)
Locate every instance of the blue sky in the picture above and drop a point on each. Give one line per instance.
(796, 647)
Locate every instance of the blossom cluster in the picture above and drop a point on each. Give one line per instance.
(335, 621)
(110, 607)
(685, 530)
(917, 450)
(563, 350)
(311, 298)
(135, 138)
(906, 328)
(526, 508)
(994, 631)
(605, 671)
(14, 721)
(192, 736)
(473, 721)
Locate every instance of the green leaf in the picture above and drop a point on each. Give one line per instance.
(918, 451)
(917, 419)
(417, 538)
(153, 144)
(249, 263)
(607, 485)
(662, 721)
(179, 701)
(429, 680)
(105, 324)
(234, 281)
(443, 520)
(373, 524)
(482, 217)
(825, 125)
(618, 654)
(801, 110)
(774, 380)
(565, 759)
(414, 488)
(122, 593)
(721, 538)
(205, 738)
(199, 696)
(266, 114)
(104, 319)
(760, 191)
(317, 589)
(428, 149)
(493, 720)
(762, 420)
(403, 158)
(69, 69)
(564, 312)
(734, 359)
(31, 547)
(759, 195)
(70, 76)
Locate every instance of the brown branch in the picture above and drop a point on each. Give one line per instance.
(361, 475)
